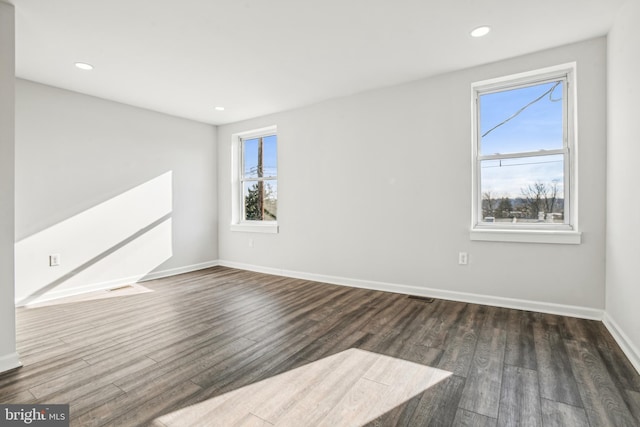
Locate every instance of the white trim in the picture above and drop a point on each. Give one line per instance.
(627, 346)
(518, 304)
(568, 72)
(255, 268)
(93, 287)
(256, 227)
(9, 361)
(179, 270)
(525, 77)
(526, 236)
(237, 224)
(63, 293)
(254, 133)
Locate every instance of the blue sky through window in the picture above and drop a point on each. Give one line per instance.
(269, 153)
(538, 127)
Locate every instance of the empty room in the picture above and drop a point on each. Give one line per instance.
(336, 213)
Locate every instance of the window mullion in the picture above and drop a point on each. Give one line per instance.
(264, 178)
(539, 153)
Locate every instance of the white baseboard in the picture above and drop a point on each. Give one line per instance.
(627, 346)
(543, 307)
(69, 292)
(9, 361)
(179, 270)
(93, 287)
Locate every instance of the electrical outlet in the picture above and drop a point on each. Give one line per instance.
(54, 260)
(250, 243)
(463, 258)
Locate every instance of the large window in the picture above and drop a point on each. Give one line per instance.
(523, 154)
(256, 181)
(260, 178)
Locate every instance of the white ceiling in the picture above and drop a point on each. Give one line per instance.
(255, 57)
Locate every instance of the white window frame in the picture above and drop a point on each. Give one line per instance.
(567, 233)
(238, 223)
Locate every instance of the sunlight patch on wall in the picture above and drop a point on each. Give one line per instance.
(120, 240)
(349, 388)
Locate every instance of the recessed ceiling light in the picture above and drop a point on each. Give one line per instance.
(84, 66)
(219, 108)
(480, 31)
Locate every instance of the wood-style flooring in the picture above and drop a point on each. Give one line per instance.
(228, 347)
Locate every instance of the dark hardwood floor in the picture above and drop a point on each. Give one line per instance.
(136, 359)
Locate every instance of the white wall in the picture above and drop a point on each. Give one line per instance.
(8, 355)
(623, 178)
(376, 188)
(119, 192)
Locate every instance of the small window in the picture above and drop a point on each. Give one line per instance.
(256, 182)
(523, 147)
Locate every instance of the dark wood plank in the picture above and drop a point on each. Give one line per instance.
(482, 388)
(91, 398)
(183, 367)
(251, 363)
(603, 402)
(556, 414)
(23, 378)
(520, 349)
(436, 406)
(398, 416)
(23, 397)
(496, 317)
(554, 367)
(144, 413)
(471, 419)
(442, 320)
(77, 383)
(397, 345)
(520, 399)
(619, 367)
(386, 315)
(461, 344)
(633, 401)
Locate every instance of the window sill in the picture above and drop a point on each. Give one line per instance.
(564, 237)
(256, 227)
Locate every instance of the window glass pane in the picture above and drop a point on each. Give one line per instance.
(523, 119)
(260, 200)
(526, 189)
(260, 157)
(270, 155)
